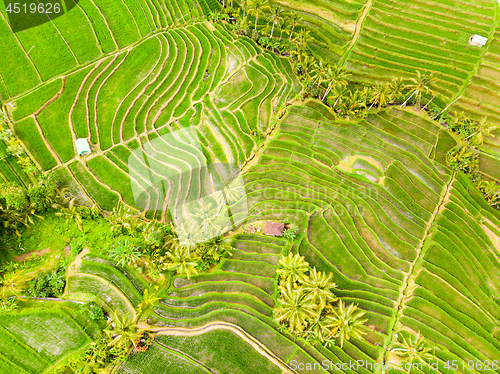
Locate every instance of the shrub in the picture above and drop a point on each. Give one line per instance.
(15, 197)
(42, 196)
(291, 233)
(95, 313)
(48, 284)
(124, 252)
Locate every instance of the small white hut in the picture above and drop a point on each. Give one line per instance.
(82, 146)
(477, 40)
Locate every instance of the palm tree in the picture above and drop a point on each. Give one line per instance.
(491, 191)
(14, 283)
(244, 4)
(188, 234)
(217, 246)
(209, 215)
(318, 330)
(123, 330)
(123, 220)
(306, 66)
(295, 18)
(229, 188)
(397, 88)
(345, 323)
(284, 24)
(149, 299)
(320, 72)
(292, 268)
(339, 94)
(336, 76)
(301, 40)
(483, 129)
(276, 16)
(256, 7)
(73, 213)
(318, 286)
(294, 308)
(352, 104)
(182, 261)
(418, 86)
(380, 95)
(461, 124)
(462, 157)
(413, 350)
(14, 147)
(124, 252)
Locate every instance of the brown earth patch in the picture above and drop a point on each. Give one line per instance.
(30, 255)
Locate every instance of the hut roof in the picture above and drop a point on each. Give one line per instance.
(274, 228)
(82, 146)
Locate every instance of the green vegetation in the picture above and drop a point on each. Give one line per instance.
(367, 127)
(305, 308)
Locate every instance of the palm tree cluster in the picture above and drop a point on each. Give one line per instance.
(111, 345)
(329, 82)
(411, 348)
(271, 36)
(305, 306)
(465, 155)
(163, 247)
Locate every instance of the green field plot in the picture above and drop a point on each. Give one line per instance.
(24, 78)
(92, 286)
(400, 37)
(207, 349)
(27, 343)
(481, 97)
(158, 359)
(155, 86)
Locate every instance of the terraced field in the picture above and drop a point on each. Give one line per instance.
(26, 345)
(170, 80)
(239, 293)
(481, 96)
(102, 281)
(407, 239)
(392, 223)
(333, 25)
(400, 37)
(379, 210)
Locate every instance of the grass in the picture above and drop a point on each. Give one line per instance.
(30, 136)
(30, 326)
(104, 198)
(113, 275)
(207, 349)
(155, 360)
(26, 77)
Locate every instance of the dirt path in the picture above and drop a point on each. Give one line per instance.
(359, 25)
(219, 325)
(30, 255)
(72, 270)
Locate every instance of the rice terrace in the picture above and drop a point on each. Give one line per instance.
(248, 187)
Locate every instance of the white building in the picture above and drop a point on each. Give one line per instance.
(478, 40)
(82, 146)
